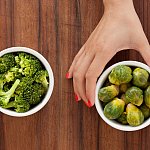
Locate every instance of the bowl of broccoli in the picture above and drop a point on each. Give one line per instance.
(122, 96)
(26, 81)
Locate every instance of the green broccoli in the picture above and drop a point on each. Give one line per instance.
(28, 63)
(41, 77)
(9, 76)
(6, 62)
(33, 93)
(5, 96)
(2, 81)
(17, 72)
(3, 68)
(19, 104)
(12, 74)
(30, 91)
(25, 83)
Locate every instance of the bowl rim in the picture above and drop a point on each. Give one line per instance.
(51, 81)
(98, 106)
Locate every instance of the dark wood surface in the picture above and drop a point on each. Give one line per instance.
(57, 29)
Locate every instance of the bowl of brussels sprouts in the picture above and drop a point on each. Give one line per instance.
(26, 81)
(123, 96)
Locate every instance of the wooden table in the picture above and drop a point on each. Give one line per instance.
(57, 29)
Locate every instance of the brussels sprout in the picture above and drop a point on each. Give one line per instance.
(123, 87)
(145, 110)
(135, 116)
(147, 96)
(114, 108)
(106, 94)
(120, 74)
(123, 118)
(124, 99)
(134, 95)
(140, 77)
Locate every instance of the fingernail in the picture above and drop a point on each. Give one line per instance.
(67, 75)
(88, 104)
(76, 98)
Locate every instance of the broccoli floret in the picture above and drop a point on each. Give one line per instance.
(2, 81)
(33, 93)
(19, 104)
(13, 74)
(41, 77)
(6, 62)
(30, 91)
(3, 68)
(9, 76)
(5, 96)
(17, 72)
(28, 63)
(25, 84)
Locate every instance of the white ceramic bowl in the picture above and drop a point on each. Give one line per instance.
(99, 107)
(51, 81)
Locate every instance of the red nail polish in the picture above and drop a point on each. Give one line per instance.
(76, 98)
(67, 75)
(88, 104)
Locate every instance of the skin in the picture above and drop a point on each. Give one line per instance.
(118, 29)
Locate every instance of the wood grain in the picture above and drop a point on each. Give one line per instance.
(57, 29)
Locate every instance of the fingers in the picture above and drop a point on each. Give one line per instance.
(93, 73)
(79, 72)
(77, 96)
(70, 72)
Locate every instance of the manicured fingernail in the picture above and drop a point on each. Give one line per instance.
(88, 104)
(67, 75)
(76, 98)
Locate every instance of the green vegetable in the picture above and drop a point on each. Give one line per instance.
(147, 96)
(123, 118)
(114, 109)
(19, 104)
(25, 84)
(134, 95)
(135, 116)
(33, 93)
(123, 87)
(9, 76)
(41, 77)
(124, 99)
(29, 64)
(6, 62)
(145, 110)
(29, 91)
(2, 81)
(106, 94)
(23, 81)
(5, 96)
(140, 77)
(120, 74)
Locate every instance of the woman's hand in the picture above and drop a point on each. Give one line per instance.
(118, 29)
